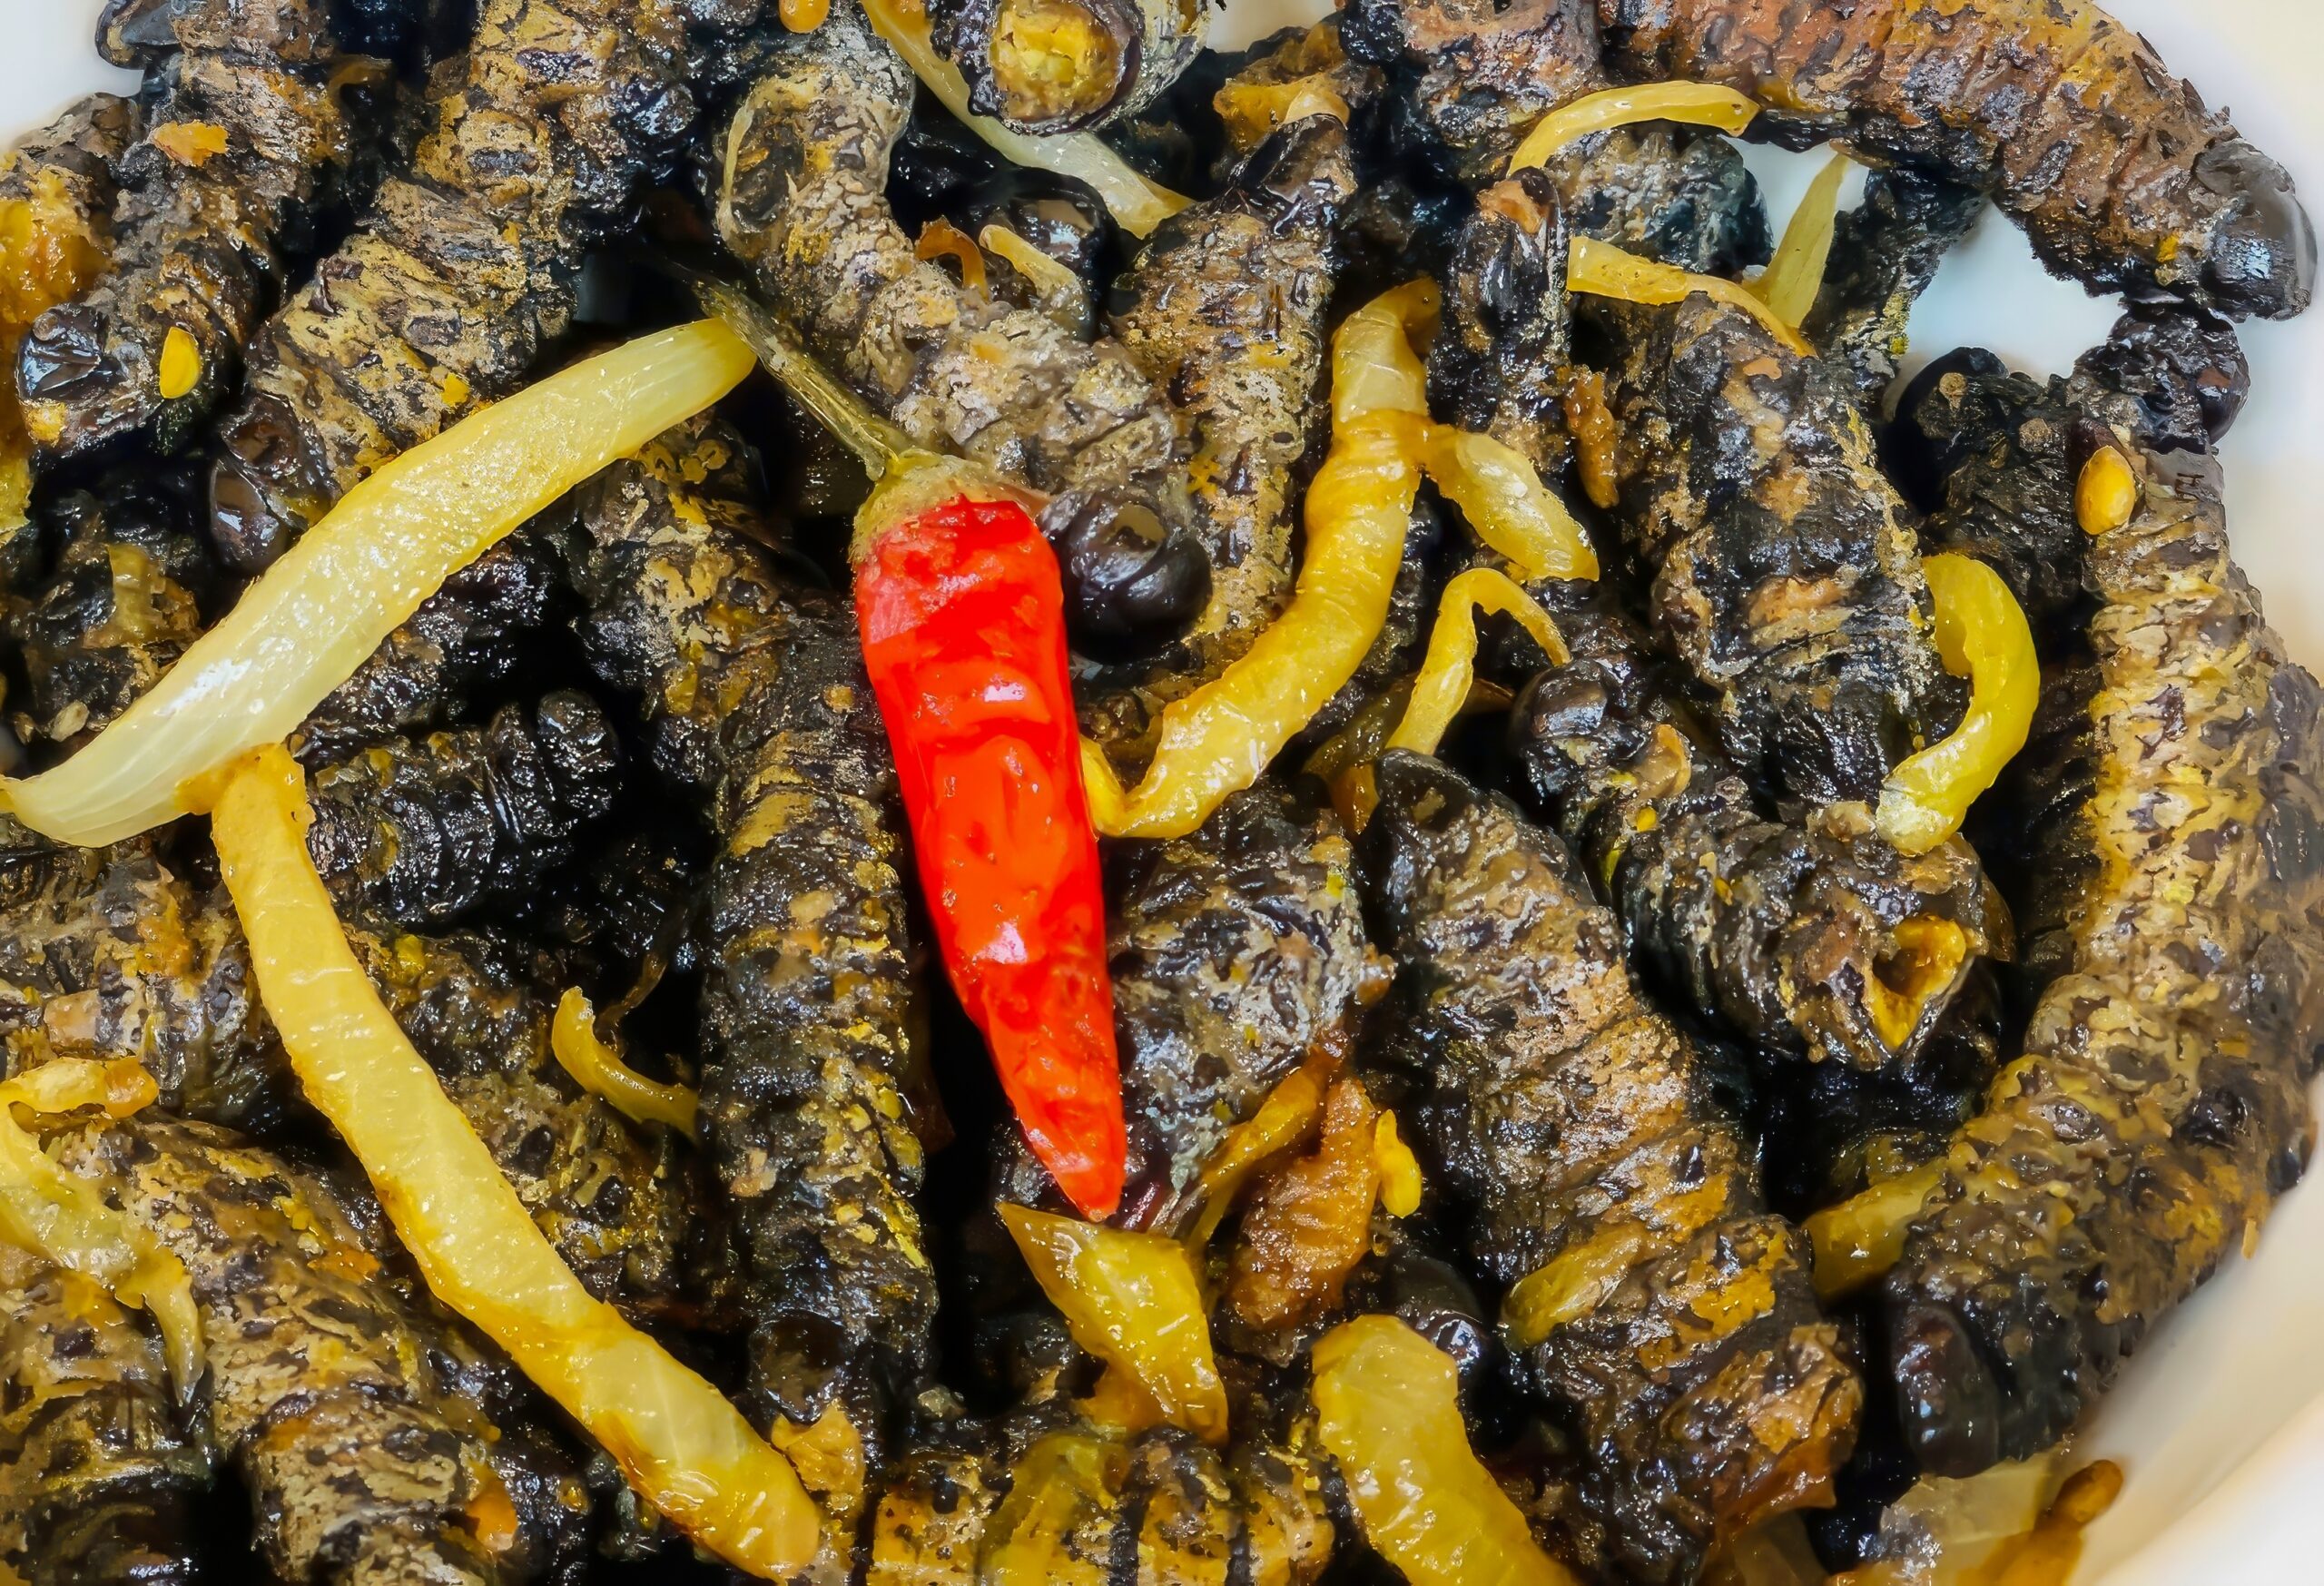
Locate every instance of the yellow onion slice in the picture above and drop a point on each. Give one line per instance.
(598, 1069)
(301, 630)
(1792, 278)
(1137, 204)
(1604, 271)
(1450, 667)
(687, 1450)
(1217, 740)
(1863, 1236)
(1062, 1495)
(1697, 103)
(1982, 634)
(1388, 1410)
(61, 1218)
(1498, 491)
(1290, 1113)
(1132, 1300)
(1400, 1177)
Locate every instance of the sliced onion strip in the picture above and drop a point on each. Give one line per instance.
(598, 1069)
(1604, 271)
(686, 1449)
(304, 628)
(1981, 634)
(1792, 278)
(1697, 104)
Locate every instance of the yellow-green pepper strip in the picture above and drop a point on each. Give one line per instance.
(1604, 271)
(1133, 1300)
(1137, 204)
(62, 1218)
(1792, 278)
(598, 1069)
(1450, 665)
(686, 1450)
(1697, 103)
(1217, 740)
(1980, 634)
(1388, 1411)
(304, 628)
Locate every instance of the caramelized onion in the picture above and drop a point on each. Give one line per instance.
(1792, 278)
(598, 1069)
(1604, 271)
(1697, 104)
(1980, 634)
(1132, 1300)
(1217, 740)
(687, 1450)
(1450, 665)
(316, 614)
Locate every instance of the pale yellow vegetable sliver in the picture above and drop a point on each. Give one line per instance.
(303, 627)
(598, 1069)
(687, 1450)
(1388, 1411)
(1792, 278)
(1981, 634)
(1604, 271)
(1697, 103)
(1450, 665)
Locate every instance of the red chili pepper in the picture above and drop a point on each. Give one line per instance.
(963, 626)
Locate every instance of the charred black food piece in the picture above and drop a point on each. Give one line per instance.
(754, 691)
(2115, 168)
(369, 1455)
(98, 1480)
(462, 270)
(1663, 1313)
(246, 140)
(2160, 1105)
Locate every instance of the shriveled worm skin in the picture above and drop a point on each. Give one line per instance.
(427, 831)
(1233, 951)
(1884, 252)
(1786, 575)
(1775, 931)
(753, 689)
(98, 1478)
(1226, 308)
(619, 1202)
(462, 269)
(472, 635)
(1498, 366)
(2115, 168)
(806, 1002)
(1156, 1509)
(1704, 1388)
(683, 613)
(115, 608)
(1153, 42)
(110, 953)
(320, 1386)
(2160, 1106)
(1468, 79)
(803, 199)
(245, 142)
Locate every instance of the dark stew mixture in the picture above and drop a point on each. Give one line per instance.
(941, 792)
